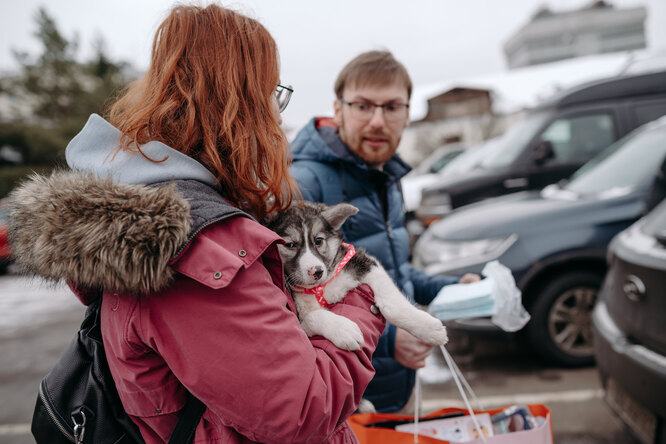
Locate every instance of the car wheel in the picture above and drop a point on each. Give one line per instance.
(560, 330)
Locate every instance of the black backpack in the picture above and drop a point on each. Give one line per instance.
(78, 401)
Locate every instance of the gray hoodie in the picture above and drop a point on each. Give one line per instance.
(93, 150)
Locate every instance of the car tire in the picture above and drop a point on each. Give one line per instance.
(560, 330)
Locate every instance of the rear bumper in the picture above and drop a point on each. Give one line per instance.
(637, 370)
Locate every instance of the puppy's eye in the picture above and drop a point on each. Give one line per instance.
(290, 245)
(319, 241)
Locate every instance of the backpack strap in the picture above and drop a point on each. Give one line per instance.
(189, 417)
(188, 420)
(329, 178)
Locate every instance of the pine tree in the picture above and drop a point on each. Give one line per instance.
(60, 92)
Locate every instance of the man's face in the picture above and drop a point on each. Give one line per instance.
(374, 139)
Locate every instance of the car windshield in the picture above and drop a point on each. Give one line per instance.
(469, 159)
(623, 166)
(512, 143)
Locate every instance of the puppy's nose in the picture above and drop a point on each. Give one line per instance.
(316, 272)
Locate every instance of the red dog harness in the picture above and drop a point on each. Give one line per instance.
(318, 291)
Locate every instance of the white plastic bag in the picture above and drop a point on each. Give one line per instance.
(510, 315)
(496, 296)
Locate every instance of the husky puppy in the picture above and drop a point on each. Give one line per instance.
(320, 269)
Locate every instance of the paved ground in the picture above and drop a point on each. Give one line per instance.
(500, 373)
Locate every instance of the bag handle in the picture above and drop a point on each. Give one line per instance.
(457, 376)
(461, 383)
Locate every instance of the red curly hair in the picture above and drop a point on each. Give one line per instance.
(209, 93)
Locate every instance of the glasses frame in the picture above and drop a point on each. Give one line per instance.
(283, 95)
(374, 107)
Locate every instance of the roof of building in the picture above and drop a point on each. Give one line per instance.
(522, 88)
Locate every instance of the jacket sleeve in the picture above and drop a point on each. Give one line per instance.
(426, 286)
(244, 354)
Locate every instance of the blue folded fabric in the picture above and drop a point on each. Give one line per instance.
(459, 301)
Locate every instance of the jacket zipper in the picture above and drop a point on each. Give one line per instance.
(54, 418)
(389, 233)
(384, 205)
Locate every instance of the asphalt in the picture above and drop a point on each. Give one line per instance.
(500, 372)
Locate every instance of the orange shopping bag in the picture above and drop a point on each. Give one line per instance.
(372, 428)
(362, 424)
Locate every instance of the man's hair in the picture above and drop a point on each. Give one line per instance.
(377, 68)
(209, 94)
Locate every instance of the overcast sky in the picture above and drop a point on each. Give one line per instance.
(435, 39)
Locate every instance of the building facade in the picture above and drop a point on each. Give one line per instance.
(596, 29)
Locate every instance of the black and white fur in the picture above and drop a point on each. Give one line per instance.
(311, 254)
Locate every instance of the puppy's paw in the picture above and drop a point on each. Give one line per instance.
(437, 336)
(431, 330)
(347, 335)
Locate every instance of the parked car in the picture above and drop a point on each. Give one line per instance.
(426, 172)
(556, 139)
(438, 159)
(412, 185)
(414, 182)
(554, 242)
(5, 253)
(630, 327)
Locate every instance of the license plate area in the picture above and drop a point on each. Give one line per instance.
(639, 419)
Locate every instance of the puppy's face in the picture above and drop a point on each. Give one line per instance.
(312, 247)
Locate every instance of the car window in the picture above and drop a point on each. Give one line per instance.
(469, 159)
(512, 143)
(649, 112)
(579, 138)
(443, 161)
(627, 164)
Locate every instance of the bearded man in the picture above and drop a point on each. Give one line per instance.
(352, 158)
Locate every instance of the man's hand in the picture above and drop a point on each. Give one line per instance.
(410, 351)
(468, 278)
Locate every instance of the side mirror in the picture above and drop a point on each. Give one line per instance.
(543, 152)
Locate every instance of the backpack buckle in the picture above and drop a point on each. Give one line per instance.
(79, 427)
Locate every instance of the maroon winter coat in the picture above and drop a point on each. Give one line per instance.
(216, 321)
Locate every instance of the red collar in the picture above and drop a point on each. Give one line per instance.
(318, 291)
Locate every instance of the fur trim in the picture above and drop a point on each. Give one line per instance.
(97, 234)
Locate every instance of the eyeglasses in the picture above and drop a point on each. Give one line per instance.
(393, 112)
(283, 95)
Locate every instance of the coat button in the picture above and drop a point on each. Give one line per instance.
(158, 410)
(242, 253)
(217, 275)
(374, 309)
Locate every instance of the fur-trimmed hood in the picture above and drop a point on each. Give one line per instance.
(97, 234)
(118, 219)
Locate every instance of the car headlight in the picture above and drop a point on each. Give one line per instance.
(440, 255)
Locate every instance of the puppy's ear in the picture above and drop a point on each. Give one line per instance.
(336, 215)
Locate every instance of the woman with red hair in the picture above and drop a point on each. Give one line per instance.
(160, 213)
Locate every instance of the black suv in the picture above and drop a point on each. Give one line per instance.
(554, 241)
(556, 139)
(630, 327)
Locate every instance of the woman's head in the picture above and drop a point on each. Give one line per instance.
(209, 93)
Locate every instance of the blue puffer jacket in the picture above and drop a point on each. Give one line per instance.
(327, 171)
